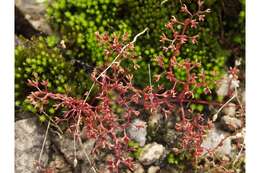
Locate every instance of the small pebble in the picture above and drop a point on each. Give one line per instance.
(230, 124)
(151, 153)
(153, 169)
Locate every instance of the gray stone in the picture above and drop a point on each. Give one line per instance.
(65, 145)
(230, 123)
(137, 131)
(225, 84)
(230, 109)
(213, 139)
(34, 11)
(222, 89)
(138, 168)
(60, 165)
(151, 153)
(29, 136)
(153, 169)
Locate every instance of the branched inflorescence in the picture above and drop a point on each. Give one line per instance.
(107, 126)
(177, 97)
(100, 122)
(179, 28)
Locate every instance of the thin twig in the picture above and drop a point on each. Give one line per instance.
(220, 109)
(75, 151)
(236, 159)
(53, 122)
(164, 1)
(150, 77)
(87, 156)
(44, 141)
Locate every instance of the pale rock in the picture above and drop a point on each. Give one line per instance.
(34, 11)
(151, 153)
(153, 169)
(65, 145)
(29, 137)
(230, 123)
(60, 165)
(230, 109)
(138, 168)
(213, 139)
(225, 84)
(137, 131)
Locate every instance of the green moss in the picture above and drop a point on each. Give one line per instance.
(42, 118)
(80, 22)
(171, 159)
(137, 149)
(83, 18)
(35, 59)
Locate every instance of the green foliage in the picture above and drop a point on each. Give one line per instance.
(154, 14)
(227, 22)
(137, 149)
(77, 21)
(42, 118)
(171, 159)
(38, 59)
(181, 162)
(151, 14)
(197, 107)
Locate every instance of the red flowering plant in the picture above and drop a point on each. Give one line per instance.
(114, 83)
(178, 97)
(99, 121)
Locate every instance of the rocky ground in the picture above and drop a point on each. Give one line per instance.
(59, 150)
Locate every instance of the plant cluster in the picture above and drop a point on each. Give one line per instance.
(115, 85)
(83, 18)
(99, 121)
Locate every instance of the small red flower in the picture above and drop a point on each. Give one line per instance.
(183, 39)
(201, 17)
(163, 38)
(168, 25)
(194, 23)
(194, 39)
